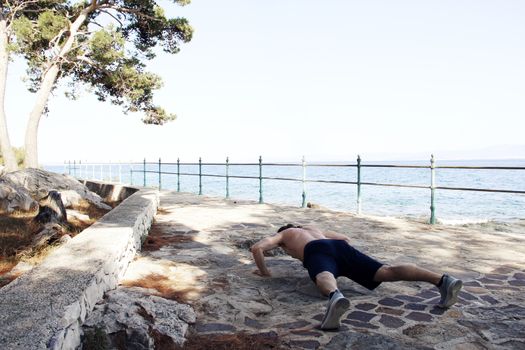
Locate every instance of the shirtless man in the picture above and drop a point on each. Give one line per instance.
(328, 255)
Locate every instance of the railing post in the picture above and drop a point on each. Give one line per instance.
(178, 174)
(432, 190)
(80, 168)
(75, 168)
(160, 176)
(227, 177)
(260, 181)
(65, 166)
(200, 176)
(303, 205)
(144, 171)
(69, 167)
(131, 176)
(358, 184)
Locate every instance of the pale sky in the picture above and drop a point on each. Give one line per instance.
(324, 79)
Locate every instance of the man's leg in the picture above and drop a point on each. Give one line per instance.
(449, 287)
(407, 272)
(337, 303)
(326, 282)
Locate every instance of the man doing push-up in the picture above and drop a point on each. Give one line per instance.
(328, 255)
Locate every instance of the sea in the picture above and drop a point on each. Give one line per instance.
(451, 206)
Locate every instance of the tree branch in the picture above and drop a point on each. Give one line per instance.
(128, 10)
(114, 17)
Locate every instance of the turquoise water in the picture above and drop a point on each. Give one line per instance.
(451, 206)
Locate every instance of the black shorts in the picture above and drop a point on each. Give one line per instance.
(341, 259)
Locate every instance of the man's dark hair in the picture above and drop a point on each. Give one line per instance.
(286, 227)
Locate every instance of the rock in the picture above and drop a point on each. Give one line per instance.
(13, 197)
(50, 232)
(137, 318)
(77, 215)
(64, 239)
(39, 182)
(51, 209)
(70, 198)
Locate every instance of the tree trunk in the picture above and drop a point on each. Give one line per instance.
(31, 140)
(48, 81)
(5, 143)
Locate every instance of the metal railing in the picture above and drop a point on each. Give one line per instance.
(79, 169)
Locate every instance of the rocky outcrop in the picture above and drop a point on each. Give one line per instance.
(137, 319)
(38, 183)
(45, 307)
(13, 197)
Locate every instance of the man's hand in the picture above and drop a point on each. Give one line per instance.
(258, 250)
(259, 273)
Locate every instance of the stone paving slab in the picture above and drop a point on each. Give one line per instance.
(209, 263)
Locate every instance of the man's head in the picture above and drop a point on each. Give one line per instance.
(286, 227)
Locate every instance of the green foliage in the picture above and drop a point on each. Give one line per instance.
(110, 59)
(50, 24)
(106, 46)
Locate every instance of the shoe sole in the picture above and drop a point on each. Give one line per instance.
(452, 294)
(334, 313)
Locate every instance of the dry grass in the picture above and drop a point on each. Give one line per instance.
(17, 231)
(94, 213)
(162, 211)
(234, 341)
(158, 239)
(164, 286)
(5, 267)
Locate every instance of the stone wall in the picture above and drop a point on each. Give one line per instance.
(110, 192)
(44, 308)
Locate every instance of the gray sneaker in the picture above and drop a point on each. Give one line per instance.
(337, 305)
(449, 291)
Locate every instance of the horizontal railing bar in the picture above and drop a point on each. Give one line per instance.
(333, 182)
(330, 165)
(394, 166)
(393, 185)
(478, 189)
(324, 165)
(281, 178)
(91, 164)
(281, 164)
(480, 167)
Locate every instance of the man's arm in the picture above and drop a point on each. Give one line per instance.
(260, 247)
(335, 235)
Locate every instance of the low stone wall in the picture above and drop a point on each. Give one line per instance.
(110, 192)
(44, 308)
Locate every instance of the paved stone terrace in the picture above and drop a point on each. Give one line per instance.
(209, 263)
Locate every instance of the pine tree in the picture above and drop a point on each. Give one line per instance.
(101, 44)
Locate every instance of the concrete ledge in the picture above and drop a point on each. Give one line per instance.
(45, 308)
(110, 192)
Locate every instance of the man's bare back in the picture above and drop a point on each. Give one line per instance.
(295, 239)
(292, 240)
